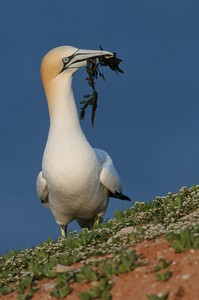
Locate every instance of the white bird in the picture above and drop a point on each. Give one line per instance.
(76, 180)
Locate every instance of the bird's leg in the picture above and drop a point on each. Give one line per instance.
(96, 220)
(63, 230)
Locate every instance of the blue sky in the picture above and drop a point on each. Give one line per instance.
(147, 119)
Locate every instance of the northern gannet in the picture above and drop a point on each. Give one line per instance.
(76, 180)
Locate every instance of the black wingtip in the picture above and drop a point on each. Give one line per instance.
(120, 196)
(124, 197)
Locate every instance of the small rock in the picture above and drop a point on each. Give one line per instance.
(48, 286)
(192, 251)
(115, 280)
(95, 284)
(61, 268)
(159, 255)
(185, 276)
(123, 231)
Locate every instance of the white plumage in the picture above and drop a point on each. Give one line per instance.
(76, 180)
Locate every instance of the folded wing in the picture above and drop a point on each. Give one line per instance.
(42, 189)
(109, 176)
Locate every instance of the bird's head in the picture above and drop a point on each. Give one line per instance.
(65, 60)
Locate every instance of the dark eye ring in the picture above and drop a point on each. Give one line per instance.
(65, 60)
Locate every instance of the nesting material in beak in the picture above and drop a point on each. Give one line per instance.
(94, 72)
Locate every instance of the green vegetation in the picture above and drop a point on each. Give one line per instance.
(100, 291)
(61, 290)
(102, 254)
(163, 264)
(164, 276)
(157, 297)
(185, 240)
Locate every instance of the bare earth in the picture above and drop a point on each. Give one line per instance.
(137, 284)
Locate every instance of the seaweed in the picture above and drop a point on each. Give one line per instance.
(93, 71)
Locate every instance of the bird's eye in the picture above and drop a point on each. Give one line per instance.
(65, 60)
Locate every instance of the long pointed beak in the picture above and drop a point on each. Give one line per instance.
(86, 54)
(80, 57)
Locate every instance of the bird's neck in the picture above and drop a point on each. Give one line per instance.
(61, 105)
